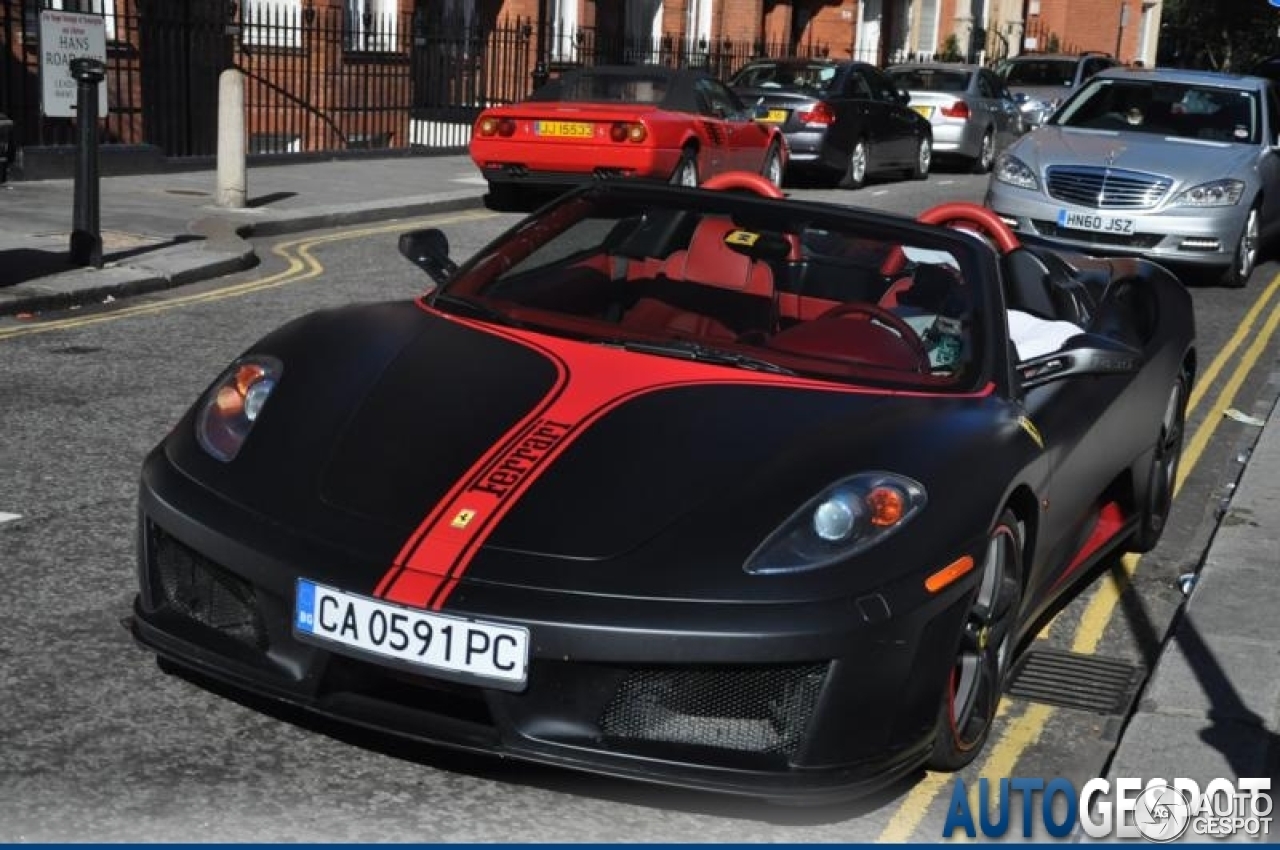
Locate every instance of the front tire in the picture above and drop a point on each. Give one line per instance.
(986, 646)
(855, 173)
(1246, 256)
(1162, 474)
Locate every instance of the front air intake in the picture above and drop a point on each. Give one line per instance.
(745, 709)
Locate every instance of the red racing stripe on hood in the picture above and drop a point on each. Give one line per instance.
(591, 381)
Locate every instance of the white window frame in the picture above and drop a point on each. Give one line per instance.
(698, 24)
(380, 37)
(272, 23)
(638, 28)
(564, 29)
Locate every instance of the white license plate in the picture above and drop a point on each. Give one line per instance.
(1095, 222)
(452, 647)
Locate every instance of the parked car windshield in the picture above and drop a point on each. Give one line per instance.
(1041, 72)
(1165, 108)
(816, 76)
(929, 79)
(739, 280)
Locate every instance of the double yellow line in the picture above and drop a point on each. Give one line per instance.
(1022, 731)
(300, 265)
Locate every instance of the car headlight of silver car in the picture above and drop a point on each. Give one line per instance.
(1216, 193)
(230, 409)
(1009, 169)
(846, 518)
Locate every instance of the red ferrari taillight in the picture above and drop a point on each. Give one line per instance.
(819, 115)
(490, 126)
(624, 131)
(959, 109)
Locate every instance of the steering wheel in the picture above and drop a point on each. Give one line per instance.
(757, 183)
(975, 217)
(893, 323)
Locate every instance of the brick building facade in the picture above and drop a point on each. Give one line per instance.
(335, 75)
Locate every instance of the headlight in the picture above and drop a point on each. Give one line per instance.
(844, 519)
(1218, 193)
(1009, 169)
(229, 409)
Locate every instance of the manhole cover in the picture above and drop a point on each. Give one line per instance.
(195, 193)
(1072, 680)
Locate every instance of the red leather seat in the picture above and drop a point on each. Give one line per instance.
(708, 290)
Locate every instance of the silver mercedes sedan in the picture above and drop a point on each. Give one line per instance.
(1176, 166)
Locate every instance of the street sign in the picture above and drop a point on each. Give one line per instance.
(65, 36)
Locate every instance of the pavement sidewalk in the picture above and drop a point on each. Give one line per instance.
(162, 230)
(1212, 706)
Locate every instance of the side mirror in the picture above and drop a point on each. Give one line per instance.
(429, 250)
(1084, 354)
(904, 97)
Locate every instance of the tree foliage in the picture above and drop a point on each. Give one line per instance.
(1219, 35)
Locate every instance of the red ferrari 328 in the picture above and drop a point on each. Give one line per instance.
(673, 125)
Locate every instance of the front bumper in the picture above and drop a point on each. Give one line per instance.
(1205, 238)
(802, 701)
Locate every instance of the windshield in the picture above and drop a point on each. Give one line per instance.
(1164, 108)
(751, 283)
(1041, 72)
(930, 79)
(814, 76)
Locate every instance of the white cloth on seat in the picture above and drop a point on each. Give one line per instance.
(1034, 336)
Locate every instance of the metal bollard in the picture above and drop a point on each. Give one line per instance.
(86, 234)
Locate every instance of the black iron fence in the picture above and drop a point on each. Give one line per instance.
(321, 80)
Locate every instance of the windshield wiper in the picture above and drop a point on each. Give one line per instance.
(695, 351)
(476, 307)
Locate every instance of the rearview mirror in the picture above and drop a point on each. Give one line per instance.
(1085, 354)
(429, 250)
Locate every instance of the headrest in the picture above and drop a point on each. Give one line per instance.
(711, 262)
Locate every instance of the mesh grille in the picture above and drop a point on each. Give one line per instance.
(748, 709)
(196, 587)
(1106, 188)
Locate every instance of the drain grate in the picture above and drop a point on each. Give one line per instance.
(1072, 680)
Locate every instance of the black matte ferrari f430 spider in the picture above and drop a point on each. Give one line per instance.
(706, 487)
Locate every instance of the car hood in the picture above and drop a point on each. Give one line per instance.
(1186, 161)
(575, 450)
(421, 441)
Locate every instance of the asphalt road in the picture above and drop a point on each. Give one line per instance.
(96, 743)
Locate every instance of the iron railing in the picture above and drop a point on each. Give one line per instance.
(321, 80)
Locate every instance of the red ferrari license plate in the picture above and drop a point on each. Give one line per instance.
(564, 129)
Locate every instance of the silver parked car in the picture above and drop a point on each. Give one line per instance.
(1175, 166)
(1041, 81)
(973, 114)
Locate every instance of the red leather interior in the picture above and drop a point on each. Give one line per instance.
(707, 262)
